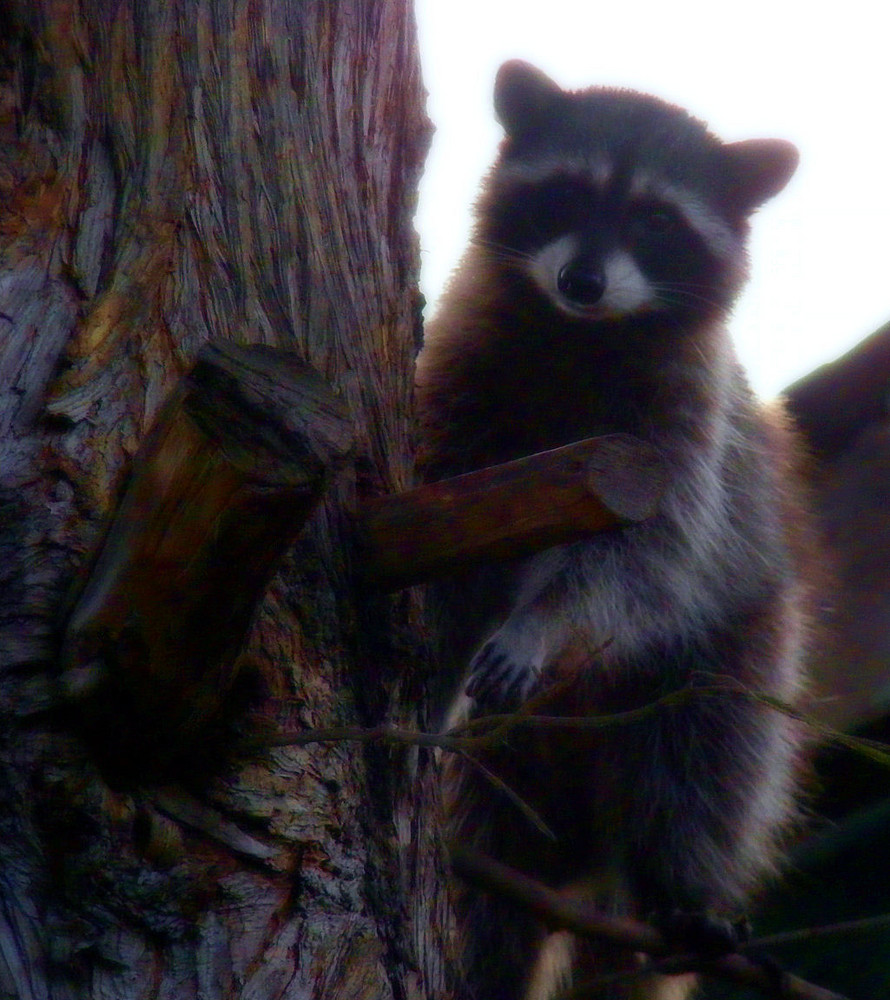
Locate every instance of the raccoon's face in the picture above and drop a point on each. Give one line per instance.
(602, 244)
(613, 203)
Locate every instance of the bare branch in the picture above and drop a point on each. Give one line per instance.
(488, 730)
(497, 782)
(827, 930)
(570, 914)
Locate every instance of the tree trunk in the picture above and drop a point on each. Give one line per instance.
(172, 173)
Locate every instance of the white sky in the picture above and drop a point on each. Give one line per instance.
(815, 73)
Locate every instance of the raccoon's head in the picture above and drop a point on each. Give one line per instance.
(614, 203)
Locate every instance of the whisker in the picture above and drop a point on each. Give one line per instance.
(500, 251)
(680, 292)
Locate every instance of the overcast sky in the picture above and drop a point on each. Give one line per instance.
(820, 250)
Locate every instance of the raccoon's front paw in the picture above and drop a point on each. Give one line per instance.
(497, 682)
(507, 670)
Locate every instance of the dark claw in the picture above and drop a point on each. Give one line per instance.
(702, 933)
(490, 655)
(495, 681)
(485, 674)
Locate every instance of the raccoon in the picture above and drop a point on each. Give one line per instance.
(608, 249)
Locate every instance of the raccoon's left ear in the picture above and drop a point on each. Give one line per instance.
(523, 96)
(760, 169)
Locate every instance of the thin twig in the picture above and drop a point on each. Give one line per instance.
(358, 734)
(572, 915)
(826, 930)
(564, 913)
(515, 798)
(488, 730)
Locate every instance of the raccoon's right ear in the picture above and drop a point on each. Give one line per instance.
(760, 169)
(523, 96)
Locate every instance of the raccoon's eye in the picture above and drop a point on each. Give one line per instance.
(659, 220)
(655, 220)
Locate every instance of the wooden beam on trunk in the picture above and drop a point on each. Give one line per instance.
(235, 464)
(510, 510)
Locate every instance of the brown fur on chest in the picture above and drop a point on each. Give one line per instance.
(502, 376)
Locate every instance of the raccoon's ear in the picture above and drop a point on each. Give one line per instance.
(523, 96)
(760, 169)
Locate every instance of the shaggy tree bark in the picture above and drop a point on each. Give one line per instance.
(171, 173)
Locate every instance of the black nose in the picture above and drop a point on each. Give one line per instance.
(581, 281)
